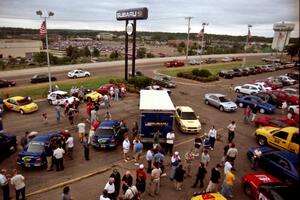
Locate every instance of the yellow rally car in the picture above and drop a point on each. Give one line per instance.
(20, 104)
(186, 119)
(285, 138)
(209, 196)
(93, 95)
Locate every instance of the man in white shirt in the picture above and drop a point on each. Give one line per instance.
(58, 154)
(18, 181)
(212, 135)
(126, 147)
(104, 195)
(70, 146)
(227, 167)
(4, 184)
(81, 130)
(231, 129)
(170, 142)
(110, 187)
(131, 193)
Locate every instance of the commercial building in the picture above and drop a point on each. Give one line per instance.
(19, 48)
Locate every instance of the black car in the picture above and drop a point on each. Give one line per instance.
(269, 98)
(251, 70)
(235, 73)
(137, 73)
(226, 74)
(278, 191)
(6, 83)
(8, 144)
(210, 61)
(243, 73)
(40, 78)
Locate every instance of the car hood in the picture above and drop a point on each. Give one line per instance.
(260, 178)
(229, 104)
(191, 123)
(266, 129)
(26, 153)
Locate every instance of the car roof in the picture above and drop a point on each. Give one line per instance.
(216, 94)
(185, 108)
(290, 129)
(108, 123)
(17, 98)
(45, 137)
(293, 158)
(59, 92)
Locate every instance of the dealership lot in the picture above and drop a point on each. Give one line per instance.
(187, 93)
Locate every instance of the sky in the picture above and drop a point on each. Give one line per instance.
(229, 17)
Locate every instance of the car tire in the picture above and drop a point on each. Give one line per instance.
(206, 102)
(241, 105)
(50, 102)
(21, 111)
(87, 75)
(237, 91)
(262, 111)
(247, 190)
(262, 141)
(221, 108)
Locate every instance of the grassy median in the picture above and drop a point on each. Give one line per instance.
(39, 91)
(213, 68)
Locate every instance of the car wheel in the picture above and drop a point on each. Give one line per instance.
(221, 108)
(9, 85)
(237, 91)
(75, 77)
(241, 105)
(206, 102)
(21, 111)
(87, 75)
(247, 190)
(261, 141)
(262, 111)
(50, 102)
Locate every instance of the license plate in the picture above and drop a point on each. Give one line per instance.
(27, 165)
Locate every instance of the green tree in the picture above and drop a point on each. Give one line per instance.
(40, 57)
(72, 52)
(293, 49)
(150, 55)
(96, 52)
(141, 52)
(85, 52)
(114, 55)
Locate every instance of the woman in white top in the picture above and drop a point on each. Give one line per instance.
(212, 135)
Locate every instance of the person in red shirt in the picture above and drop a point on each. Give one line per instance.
(141, 179)
(96, 123)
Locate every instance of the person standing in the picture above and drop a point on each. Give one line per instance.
(138, 149)
(205, 158)
(110, 187)
(106, 101)
(86, 147)
(179, 175)
(131, 193)
(107, 116)
(189, 157)
(254, 112)
(141, 177)
(57, 113)
(81, 130)
(214, 179)
(70, 146)
(156, 138)
(212, 135)
(49, 156)
(247, 114)
(197, 145)
(24, 140)
(175, 161)
(104, 195)
(126, 148)
(93, 115)
(127, 181)
(155, 180)
(135, 129)
(232, 153)
(228, 184)
(4, 184)
(116, 94)
(231, 129)
(149, 158)
(224, 158)
(170, 142)
(66, 194)
(18, 181)
(91, 134)
(227, 166)
(255, 158)
(71, 116)
(200, 175)
(117, 181)
(58, 154)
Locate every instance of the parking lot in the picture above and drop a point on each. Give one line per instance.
(188, 92)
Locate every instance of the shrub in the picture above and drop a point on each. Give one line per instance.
(140, 81)
(196, 72)
(204, 73)
(179, 74)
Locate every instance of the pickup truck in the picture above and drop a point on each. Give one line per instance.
(285, 139)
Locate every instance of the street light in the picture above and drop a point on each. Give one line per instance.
(50, 14)
(247, 44)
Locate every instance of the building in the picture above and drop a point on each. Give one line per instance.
(19, 48)
(105, 36)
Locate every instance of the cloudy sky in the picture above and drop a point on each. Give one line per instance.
(224, 16)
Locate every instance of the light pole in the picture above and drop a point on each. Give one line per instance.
(50, 14)
(202, 41)
(188, 39)
(247, 44)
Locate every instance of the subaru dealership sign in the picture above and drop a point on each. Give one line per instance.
(133, 13)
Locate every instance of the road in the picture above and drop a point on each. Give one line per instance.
(115, 68)
(77, 171)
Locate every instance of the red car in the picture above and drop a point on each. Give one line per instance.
(174, 63)
(270, 83)
(104, 89)
(252, 182)
(276, 122)
(258, 69)
(284, 96)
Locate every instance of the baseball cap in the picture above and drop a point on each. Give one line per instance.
(141, 166)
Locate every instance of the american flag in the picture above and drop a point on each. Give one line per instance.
(201, 33)
(43, 29)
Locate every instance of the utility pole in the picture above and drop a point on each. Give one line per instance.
(202, 41)
(188, 40)
(247, 44)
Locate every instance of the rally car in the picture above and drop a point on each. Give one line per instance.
(207, 196)
(60, 97)
(20, 104)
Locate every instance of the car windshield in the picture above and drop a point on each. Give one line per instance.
(24, 101)
(223, 99)
(166, 78)
(107, 131)
(278, 123)
(188, 116)
(36, 147)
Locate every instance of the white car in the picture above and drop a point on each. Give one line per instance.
(263, 86)
(247, 89)
(294, 109)
(157, 87)
(291, 91)
(60, 97)
(226, 59)
(78, 73)
(287, 79)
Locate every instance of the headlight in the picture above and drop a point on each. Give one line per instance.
(183, 126)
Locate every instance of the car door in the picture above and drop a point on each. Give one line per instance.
(80, 73)
(294, 144)
(270, 162)
(279, 140)
(214, 101)
(245, 89)
(2, 84)
(12, 105)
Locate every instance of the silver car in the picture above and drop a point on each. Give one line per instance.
(220, 101)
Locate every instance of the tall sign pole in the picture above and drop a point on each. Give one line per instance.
(247, 44)
(130, 29)
(188, 40)
(202, 41)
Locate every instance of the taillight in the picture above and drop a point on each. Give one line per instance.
(38, 160)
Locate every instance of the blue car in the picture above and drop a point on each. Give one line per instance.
(8, 144)
(281, 164)
(34, 154)
(250, 100)
(107, 134)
